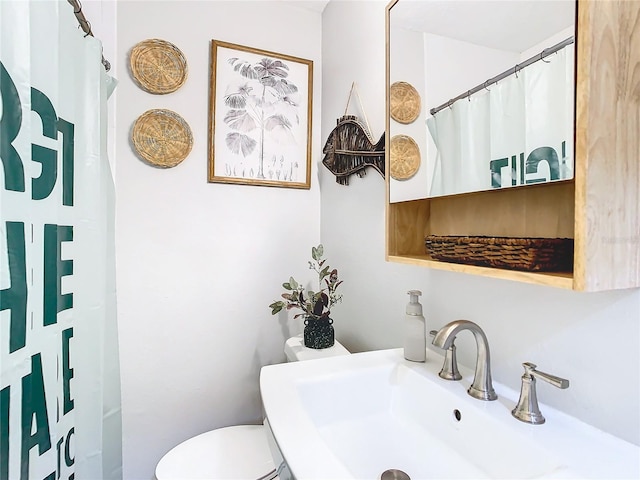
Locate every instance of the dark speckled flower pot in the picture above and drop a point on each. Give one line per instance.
(318, 333)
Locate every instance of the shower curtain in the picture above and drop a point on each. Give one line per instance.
(59, 373)
(518, 131)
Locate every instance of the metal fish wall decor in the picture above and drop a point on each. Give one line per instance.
(350, 149)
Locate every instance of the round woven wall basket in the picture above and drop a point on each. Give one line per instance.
(404, 157)
(404, 102)
(162, 138)
(158, 66)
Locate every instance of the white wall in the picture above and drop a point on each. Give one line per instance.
(591, 339)
(198, 263)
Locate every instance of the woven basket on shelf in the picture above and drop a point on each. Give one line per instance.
(162, 138)
(526, 254)
(158, 66)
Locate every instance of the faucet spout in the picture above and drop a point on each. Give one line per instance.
(482, 386)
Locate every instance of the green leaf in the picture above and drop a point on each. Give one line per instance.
(293, 283)
(320, 251)
(287, 286)
(276, 307)
(314, 253)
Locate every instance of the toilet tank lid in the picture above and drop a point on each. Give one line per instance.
(295, 350)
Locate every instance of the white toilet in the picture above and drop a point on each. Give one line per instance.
(239, 452)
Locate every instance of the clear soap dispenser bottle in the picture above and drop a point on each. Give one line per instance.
(415, 331)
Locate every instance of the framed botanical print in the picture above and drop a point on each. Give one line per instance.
(260, 107)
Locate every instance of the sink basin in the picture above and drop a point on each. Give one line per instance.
(358, 415)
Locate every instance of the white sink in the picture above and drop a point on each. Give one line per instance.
(356, 416)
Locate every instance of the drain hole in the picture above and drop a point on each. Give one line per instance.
(394, 474)
(457, 415)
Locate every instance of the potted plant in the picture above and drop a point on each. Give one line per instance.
(315, 305)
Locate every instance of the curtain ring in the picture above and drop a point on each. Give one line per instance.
(484, 85)
(516, 69)
(469, 95)
(88, 32)
(544, 54)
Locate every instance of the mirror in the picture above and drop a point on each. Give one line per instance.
(481, 95)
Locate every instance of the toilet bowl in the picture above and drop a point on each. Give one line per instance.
(237, 452)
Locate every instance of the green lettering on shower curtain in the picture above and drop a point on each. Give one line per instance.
(54, 269)
(68, 459)
(14, 298)
(4, 433)
(42, 186)
(68, 133)
(34, 405)
(67, 372)
(10, 123)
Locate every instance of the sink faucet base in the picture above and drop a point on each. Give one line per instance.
(482, 394)
(527, 409)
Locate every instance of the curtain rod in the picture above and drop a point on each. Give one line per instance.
(514, 70)
(86, 26)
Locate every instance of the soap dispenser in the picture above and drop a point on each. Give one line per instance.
(415, 332)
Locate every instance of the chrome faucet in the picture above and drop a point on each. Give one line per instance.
(527, 409)
(449, 370)
(482, 387)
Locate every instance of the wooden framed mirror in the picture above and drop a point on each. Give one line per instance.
(494, 82)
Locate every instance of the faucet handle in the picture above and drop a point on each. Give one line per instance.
(527, 409)
(530, 370)
(449, 369)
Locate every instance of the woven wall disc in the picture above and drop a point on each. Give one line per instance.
(162, 138)
(158, 66)
(404, 102)
(404, 157)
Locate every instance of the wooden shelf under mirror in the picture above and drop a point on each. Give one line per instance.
(518, 212)
(599, 209)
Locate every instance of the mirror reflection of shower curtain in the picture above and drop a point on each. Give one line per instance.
(516, 132)
(59, 371)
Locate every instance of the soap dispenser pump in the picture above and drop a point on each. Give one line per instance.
(415, 332)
